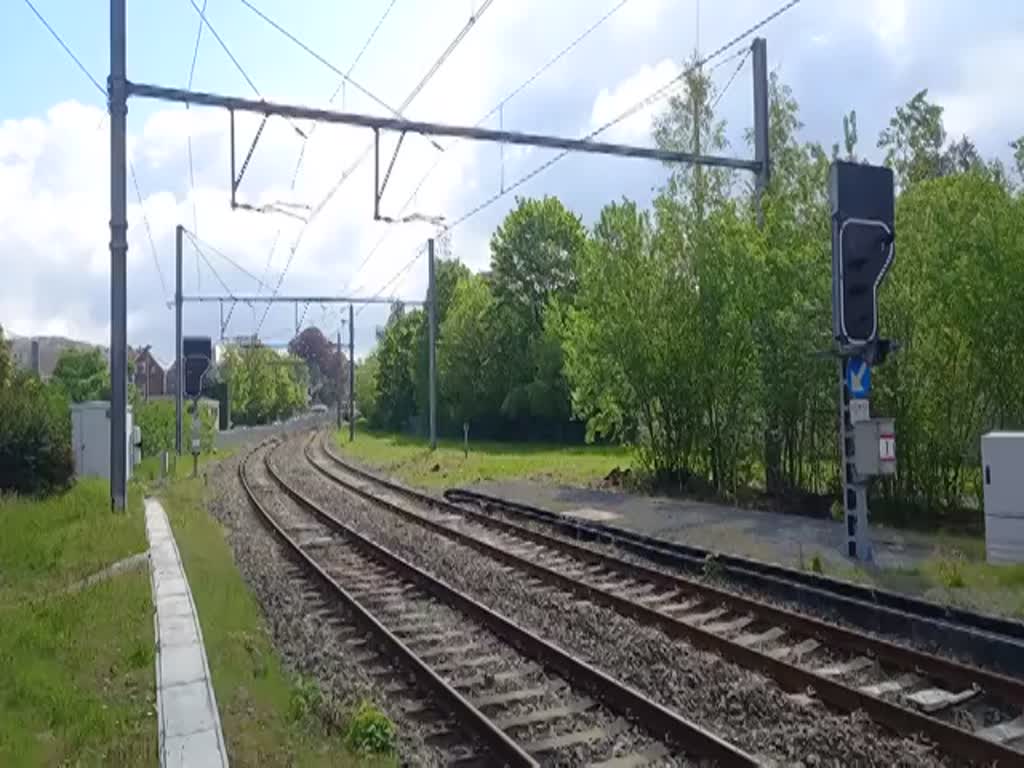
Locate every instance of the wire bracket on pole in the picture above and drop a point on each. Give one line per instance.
(237, 182)
(378, 186)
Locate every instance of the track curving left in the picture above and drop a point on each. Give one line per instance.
(498, 694)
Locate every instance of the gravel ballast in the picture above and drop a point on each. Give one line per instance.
(741, 706)
(308, 644)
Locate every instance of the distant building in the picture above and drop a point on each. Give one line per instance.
(149, 376)
(41, 353)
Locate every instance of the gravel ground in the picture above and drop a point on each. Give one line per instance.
(743, 707)
(308, 644)
(713, 576)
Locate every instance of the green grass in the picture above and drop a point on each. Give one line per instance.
(955, 573)
(411, 460)
(269, 717)
(76, 668)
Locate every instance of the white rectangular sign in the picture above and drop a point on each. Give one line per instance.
(887, 447)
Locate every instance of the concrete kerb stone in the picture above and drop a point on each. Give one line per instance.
(189, 726)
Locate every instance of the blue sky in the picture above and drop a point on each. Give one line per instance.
(869, 55)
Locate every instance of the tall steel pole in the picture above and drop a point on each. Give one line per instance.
(351, 374)
(761, 142)
(337, 385)
(117, 96)
(178, 363)
(432, 353)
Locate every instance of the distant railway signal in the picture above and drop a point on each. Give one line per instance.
(198, 352)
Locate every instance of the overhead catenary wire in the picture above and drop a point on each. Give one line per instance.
(347, 173)
(376, 99)
(201, 244)
(131, 166)
(496, 108)
(309, 134)
(632, 110)
(67, 50)
(238, 66)
(394, 278)
(638, 106)
(732, 77)
(149, 234)
(191, 165)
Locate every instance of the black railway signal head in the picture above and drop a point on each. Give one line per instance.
(862, 247)
(197, 351)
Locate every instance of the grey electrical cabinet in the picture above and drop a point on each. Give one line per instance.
(1002, 467)
(874, 447)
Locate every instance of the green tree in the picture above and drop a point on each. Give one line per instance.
(6, 361)
(466, 356)
(913, 141)
(447, 274)
(1018, 156)
(629, 341)
(264, 386)
(366, 389)
(955, 301)
(791, 316)
(83, 374)
(533, 265)
(396, 353)
(532, 256)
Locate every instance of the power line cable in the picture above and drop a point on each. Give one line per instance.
(196, 241)
(394, 278)
(149, 233)
(318, 57)
(191, 77)
(238, 66)
(348, 72)
(642, 104)
(309, 134)
(67, 50)
(497, 107)
(131, 165)
(317, 209)
(735, 72)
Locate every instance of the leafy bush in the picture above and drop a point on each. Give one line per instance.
(156, 421)
(35, 437)
(370, 731)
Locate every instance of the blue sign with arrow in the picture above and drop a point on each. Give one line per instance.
(858, 377)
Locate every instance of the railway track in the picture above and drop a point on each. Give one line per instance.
(493, 692)
(988, 641)
(970, 713)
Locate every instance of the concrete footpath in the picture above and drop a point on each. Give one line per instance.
(769, 536)
(189, 724)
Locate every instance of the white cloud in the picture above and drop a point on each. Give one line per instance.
(54, 195)
(611, 103)
(981, 104)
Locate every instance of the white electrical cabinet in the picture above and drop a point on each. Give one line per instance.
(90, 439)
(1002, 468)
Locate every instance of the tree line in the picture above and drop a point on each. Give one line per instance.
(695, 333)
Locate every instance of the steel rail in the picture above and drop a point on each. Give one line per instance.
(471, 718)
(791, 677)
(652, 717)
(690, 556)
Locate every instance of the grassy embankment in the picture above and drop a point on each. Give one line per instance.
(270, 716)
(955, 572)
(76, 666)
(411, 460)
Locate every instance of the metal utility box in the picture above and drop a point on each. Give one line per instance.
(1002, 467)
(90, 439)
(874, 447)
